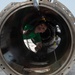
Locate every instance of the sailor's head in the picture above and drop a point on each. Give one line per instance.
(41, 28)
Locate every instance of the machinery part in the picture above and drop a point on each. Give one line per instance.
(36, 4)
(12, 48)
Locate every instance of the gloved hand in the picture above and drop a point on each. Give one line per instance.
(39, 46)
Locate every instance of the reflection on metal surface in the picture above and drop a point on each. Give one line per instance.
(36, 4)
(30, 45)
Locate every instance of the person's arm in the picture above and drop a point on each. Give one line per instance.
(38, 46)
(26, 28)
(38, 42)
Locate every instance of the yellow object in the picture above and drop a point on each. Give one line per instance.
(43, 19)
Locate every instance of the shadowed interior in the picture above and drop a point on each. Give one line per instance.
(12, 37)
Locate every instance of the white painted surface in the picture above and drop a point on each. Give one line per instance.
(1, 72)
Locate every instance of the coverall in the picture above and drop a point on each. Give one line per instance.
(31, 35)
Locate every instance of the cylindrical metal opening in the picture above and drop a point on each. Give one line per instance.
(57, 41)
